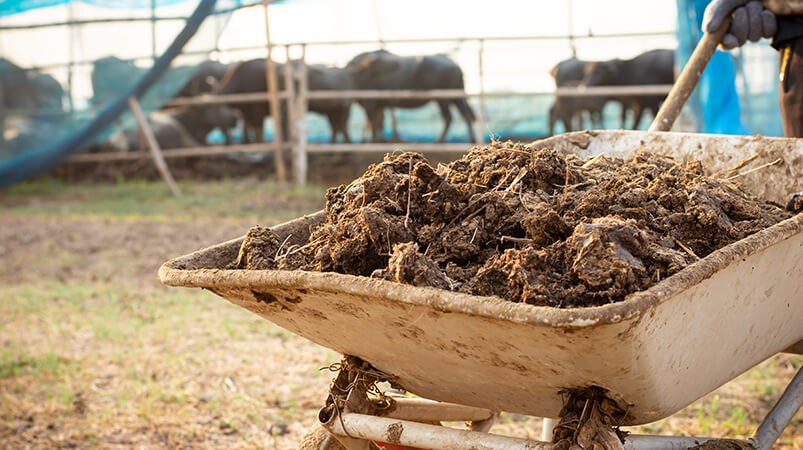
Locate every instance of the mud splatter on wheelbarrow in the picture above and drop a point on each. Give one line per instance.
(528, 226)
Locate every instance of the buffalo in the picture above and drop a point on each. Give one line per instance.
(570, 109)
(654, 67)
(249, 77)
(382, 70)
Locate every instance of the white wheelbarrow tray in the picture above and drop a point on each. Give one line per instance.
(656, 352)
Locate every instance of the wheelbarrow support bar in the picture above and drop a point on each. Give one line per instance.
(419, 435)
(782, 413)
(395, 430)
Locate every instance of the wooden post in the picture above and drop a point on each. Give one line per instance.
(156, 152)
(289, 104)
(479, 131)
(273, 98)
(300, 123)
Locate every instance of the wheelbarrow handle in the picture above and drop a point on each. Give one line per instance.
(687, 81)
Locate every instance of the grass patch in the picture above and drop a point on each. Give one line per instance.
(14, 364)
(226, 199)
(182, 362)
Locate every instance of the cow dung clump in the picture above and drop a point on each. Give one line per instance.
(533, 226)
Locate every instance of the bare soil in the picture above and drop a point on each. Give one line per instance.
(527, 226)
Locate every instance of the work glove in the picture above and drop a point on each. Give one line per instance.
(749, 21)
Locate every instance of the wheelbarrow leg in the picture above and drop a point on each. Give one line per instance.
(548, 428)
(781, 414)
(768, 432)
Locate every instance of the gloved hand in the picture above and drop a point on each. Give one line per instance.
(749, 20)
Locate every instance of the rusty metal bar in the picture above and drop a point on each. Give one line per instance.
(424, 94)
(209, 99)
(639, 442)
(183, 152)
(389, 147)
(423, 410)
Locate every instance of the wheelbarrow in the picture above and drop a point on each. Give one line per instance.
(472, 357)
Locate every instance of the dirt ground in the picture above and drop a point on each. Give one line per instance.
(94, 353)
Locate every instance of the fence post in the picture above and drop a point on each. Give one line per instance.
(479, 132)
(300, 123)
(273, 98)
(290, 106)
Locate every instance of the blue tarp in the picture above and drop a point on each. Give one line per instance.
(11, 7)
(730, 99)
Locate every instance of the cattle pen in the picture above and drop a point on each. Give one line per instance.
(474, 53)
(298, 96)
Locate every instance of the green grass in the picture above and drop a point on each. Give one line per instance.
(228, 199)
(149, 358)
(13, 364)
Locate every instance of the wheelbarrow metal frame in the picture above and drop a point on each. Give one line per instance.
(405, 428)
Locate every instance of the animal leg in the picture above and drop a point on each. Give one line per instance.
(638, 111)
(259, 133)
(552, 119)
(468, 115)
(447, 119)
(596, 119)
(343, 124)
(394, 125)
(333, 126)
(623, 115)
(378, 125)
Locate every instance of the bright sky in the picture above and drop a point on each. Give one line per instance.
(509, 65)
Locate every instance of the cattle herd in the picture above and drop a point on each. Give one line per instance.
(655, 67)
(189, 126)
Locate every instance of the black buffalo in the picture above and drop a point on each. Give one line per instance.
(382, 70)
(324, 78)
(199, 121)
(654, 67)
(249, 77)
(168, 131)
(204, 80)
(569, 109)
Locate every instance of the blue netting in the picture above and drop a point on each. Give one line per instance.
(11, 7)
(57, 109)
